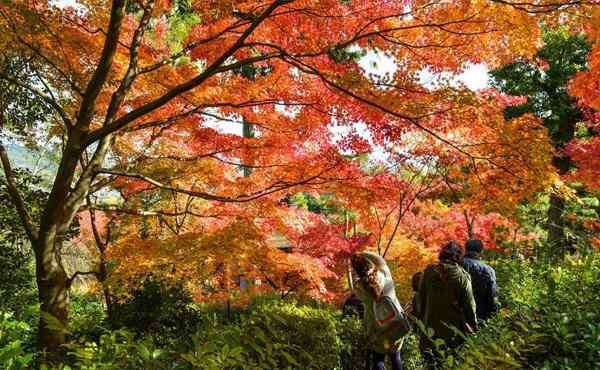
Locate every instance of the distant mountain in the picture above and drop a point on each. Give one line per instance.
(22, 157)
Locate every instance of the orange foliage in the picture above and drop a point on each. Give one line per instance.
(168, 104)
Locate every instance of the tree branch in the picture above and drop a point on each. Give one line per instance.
(15, 196)
(119, 95)
(214, 68)
(140, 212)
(242, 198)
(80, 273)
(103, 68)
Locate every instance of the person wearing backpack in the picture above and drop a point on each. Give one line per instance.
(483, 279)
(446, 304)
(384, 318)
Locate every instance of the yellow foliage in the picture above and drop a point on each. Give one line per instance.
(406, 257)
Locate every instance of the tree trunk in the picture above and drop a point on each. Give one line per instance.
(556, 228)
(556, 232)
(102, 277)
(470, 224)
(53, 293)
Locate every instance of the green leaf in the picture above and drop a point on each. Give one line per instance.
(289, 358)
(53, 323)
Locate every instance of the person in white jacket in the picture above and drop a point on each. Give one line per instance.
(385, 321)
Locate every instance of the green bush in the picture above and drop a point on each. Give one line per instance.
(282, 335)
(551, 319)
(15, 343)
(159, 308)
(269, 334)
(120, 350)
(88, 320)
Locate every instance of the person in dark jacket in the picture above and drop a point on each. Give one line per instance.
(446, 304)
(483, 280)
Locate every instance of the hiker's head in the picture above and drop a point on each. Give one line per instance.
(473, 247)
(369, 276)
(361, 265)
(416, 280)
(451, 252)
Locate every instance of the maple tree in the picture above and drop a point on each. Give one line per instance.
(584, 151)
(134, 88)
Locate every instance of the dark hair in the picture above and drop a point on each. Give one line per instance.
(360, 264)
(474, 245)
(416, 280)
(367, 273)
(451, 252)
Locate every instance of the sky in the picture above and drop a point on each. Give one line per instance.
(474, 77)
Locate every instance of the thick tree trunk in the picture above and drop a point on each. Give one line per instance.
(53, 292)
(556, 231)
(52, 279)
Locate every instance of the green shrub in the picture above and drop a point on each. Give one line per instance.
(88, 319)
(120, 350)
(269, 334)
(551, 319)
(15, 338)
(282, 335)
(159, 308)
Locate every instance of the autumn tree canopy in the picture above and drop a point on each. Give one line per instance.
(153, 107)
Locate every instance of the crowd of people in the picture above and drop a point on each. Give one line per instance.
(452, 298)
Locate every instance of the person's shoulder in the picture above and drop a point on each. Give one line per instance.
(430, 268)
(430, 274)
(469, 260)
(461, 270)
(478, 263)
(489, 269)
(460, 273)
(474, 264)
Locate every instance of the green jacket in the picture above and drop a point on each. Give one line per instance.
(446, 299)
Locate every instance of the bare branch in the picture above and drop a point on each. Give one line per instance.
(80, 273)
(214, 68)
(15, 196)
(538, 8)
(141, 212)
(242, 198)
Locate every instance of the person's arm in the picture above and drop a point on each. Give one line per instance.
(467, 301)
(493, 292)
